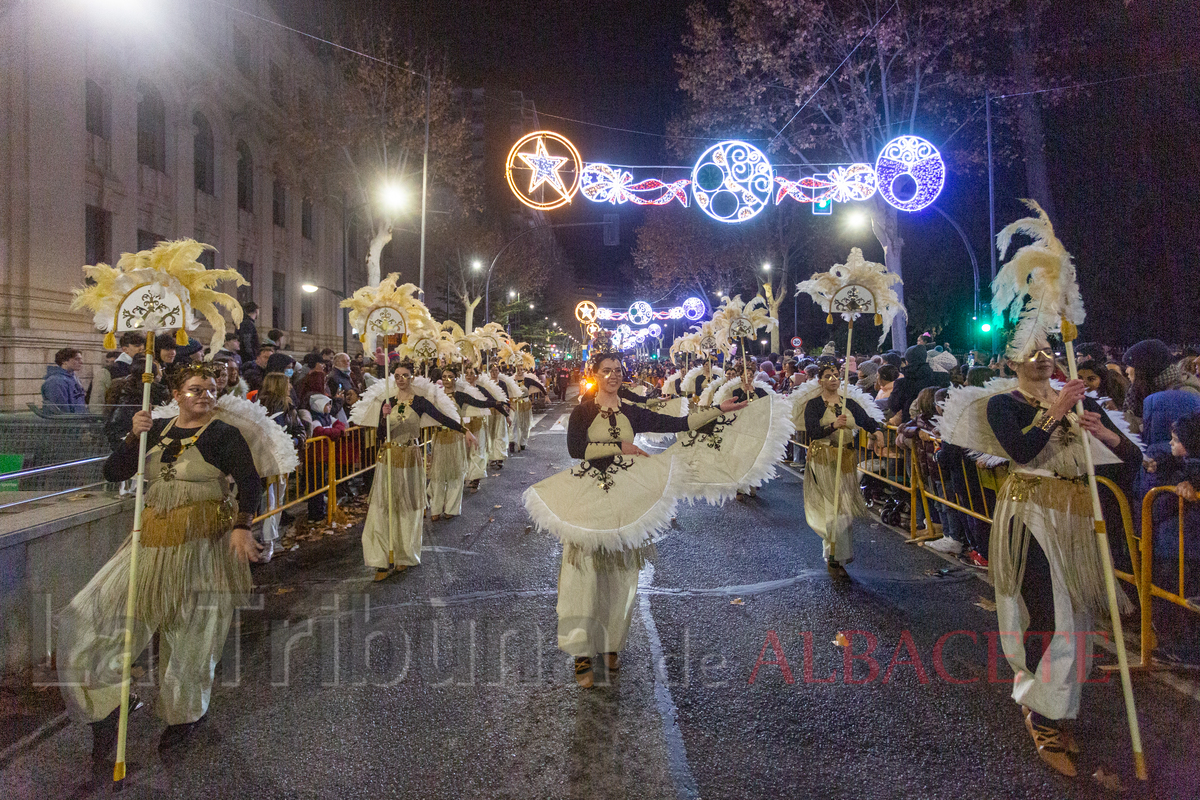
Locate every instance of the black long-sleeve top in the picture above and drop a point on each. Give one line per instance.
(464, 399)
(641, 420)
(1012, 417)
(221, 445)
(739, 393)
(419, 405)
(534, 384)
(814, 410)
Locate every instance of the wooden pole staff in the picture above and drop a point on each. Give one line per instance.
(139, 505)
(1139, 758)
(845, 388)
(387, 376)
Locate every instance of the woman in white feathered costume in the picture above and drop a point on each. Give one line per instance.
(610, 509)
(448, 456)
(698, 377)
(202, 493)
(497, 426)
(818, 412)
(735, 387)
(477, 408)
(522, 410)
(403, 405)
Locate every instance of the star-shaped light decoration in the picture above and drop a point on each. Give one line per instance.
(545, 168)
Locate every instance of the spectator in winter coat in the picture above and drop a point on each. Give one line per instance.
(254, 371)
(248, 332)
(917, 376)
(62, 393)
(231, 349)
(132, 344)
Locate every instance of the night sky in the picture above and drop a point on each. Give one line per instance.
(1123, 158)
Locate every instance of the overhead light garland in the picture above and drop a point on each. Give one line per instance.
(732, 181)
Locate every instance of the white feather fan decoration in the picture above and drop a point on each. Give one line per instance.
(1037, 288)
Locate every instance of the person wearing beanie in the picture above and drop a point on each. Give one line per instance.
(941, 360)
(1160, 394)
(866, 376)
(917, 376)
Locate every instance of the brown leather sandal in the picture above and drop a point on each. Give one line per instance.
(1052, 746)
(583, 672)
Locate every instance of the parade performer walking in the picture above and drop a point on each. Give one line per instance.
(477, 408)
(497, 425)
(527, 385)
(191, 533)
(448, 457)
(392, 531)
(522, 410)
(1048, 556)
(821, 414)
(609, 510)
(850, 290)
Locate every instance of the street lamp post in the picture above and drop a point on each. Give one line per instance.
(487, 283)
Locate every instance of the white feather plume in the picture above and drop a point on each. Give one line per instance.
(1037, 289)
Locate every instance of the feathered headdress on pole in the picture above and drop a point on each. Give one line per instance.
(516, 353)
(1036, 289)
(159, 289)
(387, 310)
(688, 343)
(431, 345)
(856, 287)
(736, 320)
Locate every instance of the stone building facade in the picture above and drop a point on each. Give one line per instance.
(120, 127)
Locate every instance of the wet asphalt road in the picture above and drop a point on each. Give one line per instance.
(444, 682)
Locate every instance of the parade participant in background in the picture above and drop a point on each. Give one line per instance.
(497, 425)
(697, 377)
(608, 512)
(523, 409)
(741, 389)
(477, 408)
(194, 551)
(392, 531)
(276, 399)
(818, 412)
(449, 453)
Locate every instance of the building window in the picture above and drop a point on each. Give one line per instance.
(306, 218)
(278, 300)
(152, 128)
(96, 110)
(207, 257)
(279, 203)
(147, 240)
(245, 177)
(202, 144)
(278, 88)
(306, 312)
(97, 234)
(243, 54)
(245, 293)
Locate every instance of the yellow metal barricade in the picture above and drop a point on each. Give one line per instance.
(1147, 590)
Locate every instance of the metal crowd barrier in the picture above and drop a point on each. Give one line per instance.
(1147, 590)
(1140, 547)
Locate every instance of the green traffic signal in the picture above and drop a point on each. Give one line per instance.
(986, 327)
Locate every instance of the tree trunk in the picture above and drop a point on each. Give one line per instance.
(382, 237)
(885, 224)
(469, 319)
(1029, 111)
(773, 304)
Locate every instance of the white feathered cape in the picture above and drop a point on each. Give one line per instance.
(366, 410)
(807, 391)
(273, 450)
(725, 391)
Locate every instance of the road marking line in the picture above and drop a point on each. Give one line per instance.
(681, 773)
(560, 424)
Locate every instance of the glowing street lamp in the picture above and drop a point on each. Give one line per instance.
(393, 198)
(477, 265)
(856, 220)
(311, 288)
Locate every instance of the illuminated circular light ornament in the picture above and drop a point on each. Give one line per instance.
(640, 313)
(693, 308)
(585, 312)
(732, 181)
(676, 312)
(910, 173)
(655, 330)
(553, 165)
